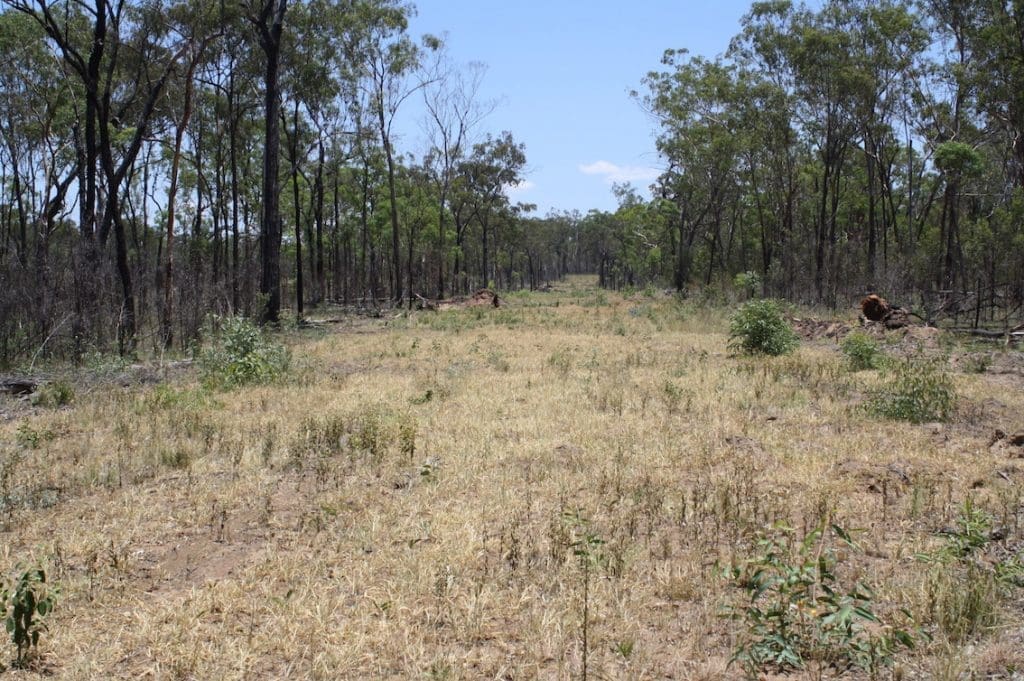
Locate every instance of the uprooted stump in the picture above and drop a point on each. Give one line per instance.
(874, 308)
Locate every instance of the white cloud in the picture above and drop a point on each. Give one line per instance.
(616, 173)
(515, 190)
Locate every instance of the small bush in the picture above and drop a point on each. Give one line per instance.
(243, 354)
(758, 328)
(26, 601)
(748, 284)
(918, 391)
(862, 352)
(797, 610)
(54, 395)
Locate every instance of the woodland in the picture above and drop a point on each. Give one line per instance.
(163, 162)
(289, 393)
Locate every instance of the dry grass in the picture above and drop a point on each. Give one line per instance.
(406, 504)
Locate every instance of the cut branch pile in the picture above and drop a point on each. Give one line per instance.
(483, 297)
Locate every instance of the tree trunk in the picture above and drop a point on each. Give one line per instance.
(270, 24)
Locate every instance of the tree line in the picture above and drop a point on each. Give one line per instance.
(162, 161)
(862, 146)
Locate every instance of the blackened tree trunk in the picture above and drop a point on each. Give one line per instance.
(269, 24)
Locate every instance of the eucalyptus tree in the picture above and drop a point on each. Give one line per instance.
(453, 110)
(888, 41)
(391, 60)
(997, 42)
(495, 164)
(37, 169)
(267, 17)
(693, 102)
(197, 27)
(310, 84)
(103, 45)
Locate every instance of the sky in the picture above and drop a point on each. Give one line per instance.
(562, 70)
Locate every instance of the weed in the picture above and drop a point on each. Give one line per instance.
(30, 438)
(624, 648)
(374, 430)
(967, 580)
(26, 602)
(861, 352)
(561, 360)
(918, 391)
(758, 328)
(176, 457)
(587, 548)
(497, 361)
(976, 363)
(798, 611)
(673, 397)
(54, 395)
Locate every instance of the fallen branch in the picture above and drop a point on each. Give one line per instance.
(18, 386)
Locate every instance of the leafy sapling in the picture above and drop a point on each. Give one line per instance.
(28, 600)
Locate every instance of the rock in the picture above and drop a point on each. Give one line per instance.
(1017, 439)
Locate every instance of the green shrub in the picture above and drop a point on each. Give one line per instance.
(747, 283)
(25, 603)
(55, 394)
(759, 328)
(797, 611)
(918, 391)
(862, 352)
(243, 354)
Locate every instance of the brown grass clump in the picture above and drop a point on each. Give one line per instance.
(418, 500)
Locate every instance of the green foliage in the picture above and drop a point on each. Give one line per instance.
(862, 352)
(26, 602)
(243, 354)
(759, 328)
(918, 391)
(747, 283)
(55, 394)
(970, 575)
(30, 438)
(798, 611)
(957, 158)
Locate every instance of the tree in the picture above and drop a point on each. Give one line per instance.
(102, 152)
(391, 61)
(495, 165)
(453, 110)
(268, 19)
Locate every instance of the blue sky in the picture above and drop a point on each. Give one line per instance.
(562, 71)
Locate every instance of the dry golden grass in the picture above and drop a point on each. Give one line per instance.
(405, 504)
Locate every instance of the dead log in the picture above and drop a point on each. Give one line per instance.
(18, 386)
(426, 304)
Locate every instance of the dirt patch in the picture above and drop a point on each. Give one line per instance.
(890, 479)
